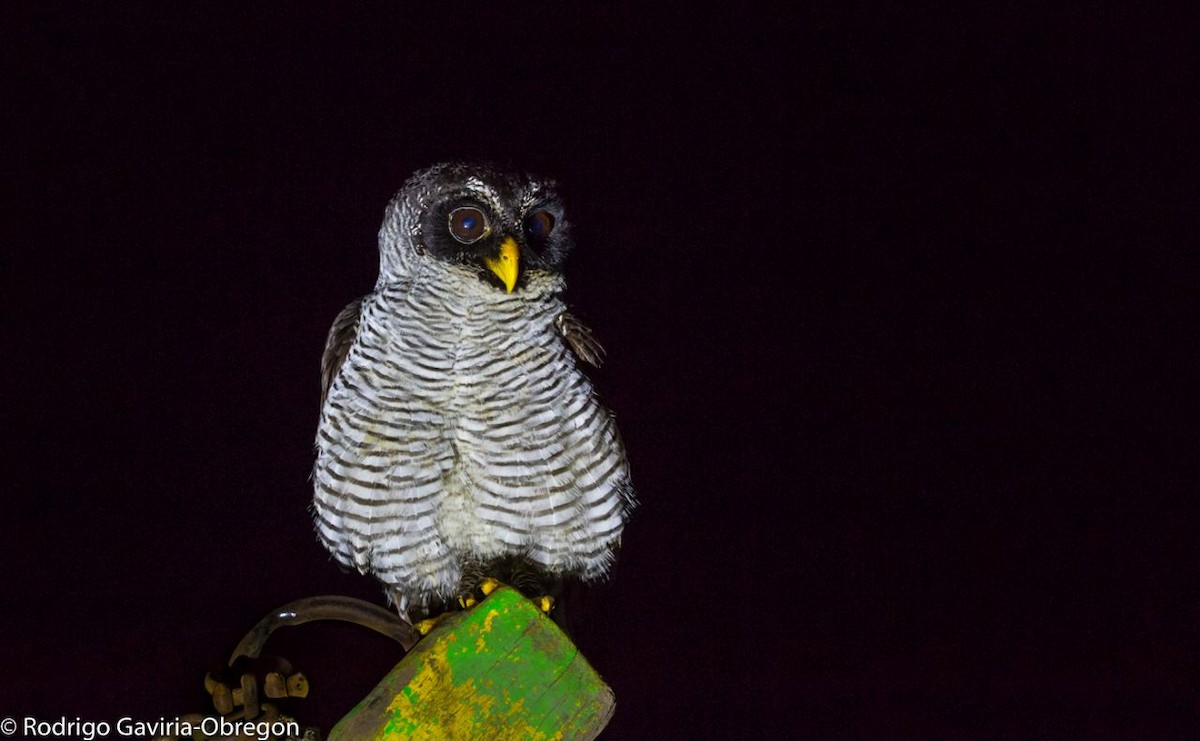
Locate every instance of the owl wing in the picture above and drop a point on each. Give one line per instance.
(579, 336)
(337, 345)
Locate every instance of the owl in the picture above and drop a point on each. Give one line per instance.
(458, 438)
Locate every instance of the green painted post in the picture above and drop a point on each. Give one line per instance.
(501, 670)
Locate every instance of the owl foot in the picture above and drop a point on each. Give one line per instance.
(472, 597)
(426, 626)
(489, 585)
(544, 602)
(465, 601)
(469, 599)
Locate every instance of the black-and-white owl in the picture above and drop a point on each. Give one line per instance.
(458, 437)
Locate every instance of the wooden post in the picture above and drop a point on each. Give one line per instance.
(501, 670)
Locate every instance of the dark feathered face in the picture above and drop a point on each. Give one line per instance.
(505, 226)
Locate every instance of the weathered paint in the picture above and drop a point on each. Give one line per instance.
(501, 670)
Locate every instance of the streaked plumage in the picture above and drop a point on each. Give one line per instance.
(457, 431)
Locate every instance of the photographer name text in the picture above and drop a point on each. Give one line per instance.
(89, 730)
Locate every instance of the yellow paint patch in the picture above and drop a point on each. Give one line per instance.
(481, 641)
(500, 671)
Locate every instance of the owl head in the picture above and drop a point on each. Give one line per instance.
(502, 229)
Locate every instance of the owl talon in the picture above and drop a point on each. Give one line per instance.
(545, 603)
(465, 601)
(472, 597)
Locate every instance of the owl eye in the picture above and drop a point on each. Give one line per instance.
(468, 224)
(539, 224)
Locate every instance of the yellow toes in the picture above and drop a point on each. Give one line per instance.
(428, 624)
(545, 603)
(489, 585)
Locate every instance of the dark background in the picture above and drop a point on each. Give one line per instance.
(895, 309)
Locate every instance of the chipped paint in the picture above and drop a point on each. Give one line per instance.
(501, 670)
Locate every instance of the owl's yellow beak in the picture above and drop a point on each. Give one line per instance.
(506, 266)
